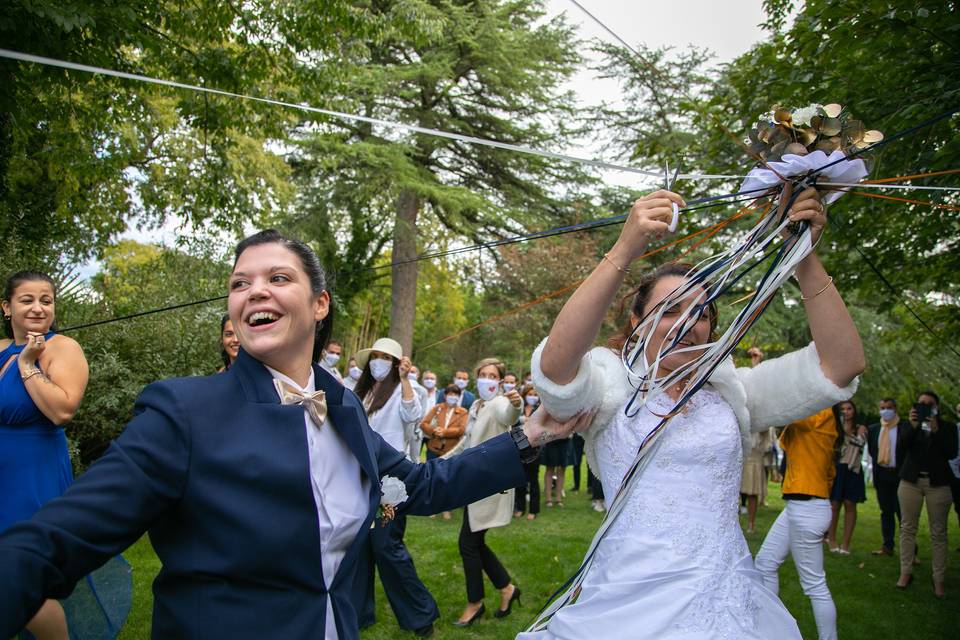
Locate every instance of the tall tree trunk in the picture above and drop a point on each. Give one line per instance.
(404, 286)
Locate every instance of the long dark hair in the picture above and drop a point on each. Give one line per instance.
(15, 281)
(223, 352)
(314, 270)
(641, 296)
(838, 417)
(366, 383)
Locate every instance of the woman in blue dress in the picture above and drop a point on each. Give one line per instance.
(42, 379)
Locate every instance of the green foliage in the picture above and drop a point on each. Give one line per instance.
(492, 69)
(126, 356)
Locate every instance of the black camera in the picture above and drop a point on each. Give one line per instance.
(923, 412)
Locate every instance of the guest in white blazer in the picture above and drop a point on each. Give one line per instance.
(491, 414)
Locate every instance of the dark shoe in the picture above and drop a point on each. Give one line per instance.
(907, 584)
(503, 613)
(424, 632)
(882, 552)
(469, 622)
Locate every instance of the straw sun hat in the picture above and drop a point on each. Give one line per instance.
(383, 345)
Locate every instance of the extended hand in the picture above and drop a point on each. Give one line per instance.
(514, 398)
(541, 428)
(405, 366)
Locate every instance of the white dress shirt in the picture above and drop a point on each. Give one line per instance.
(340, 490)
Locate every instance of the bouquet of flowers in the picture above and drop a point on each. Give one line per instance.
(816, 127)
(809, 140)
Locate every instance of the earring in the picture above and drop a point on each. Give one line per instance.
(6, 317)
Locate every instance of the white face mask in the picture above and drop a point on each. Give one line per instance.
(533, 400)
(487, 388)
(460, 383)
(356, 372)
(412, 376)
(332, 359)
(888, 414)
(429, 383)
(380, 368)
(453, 401)
(508, 386)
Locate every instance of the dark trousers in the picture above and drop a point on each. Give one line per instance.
(578, 443)
(594, 486)
(478, 559)
(955, 488)
(886, 482)
(531, 486)
(412, 604)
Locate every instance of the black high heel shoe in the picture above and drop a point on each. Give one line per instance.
(503, 613)
(472, 619)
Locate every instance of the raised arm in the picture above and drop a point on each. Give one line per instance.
(576, 327)
(838, 343)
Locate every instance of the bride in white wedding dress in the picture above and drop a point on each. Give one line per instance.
(675, 563)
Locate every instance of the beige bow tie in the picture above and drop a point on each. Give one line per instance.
(315, 403)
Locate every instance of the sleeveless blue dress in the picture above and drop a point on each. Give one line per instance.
(34, 469)
(34, 463)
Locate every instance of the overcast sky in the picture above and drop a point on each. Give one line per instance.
(727, 28)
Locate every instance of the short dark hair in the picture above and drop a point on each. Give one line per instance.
(314, 270)
(15, 281)
(336, 342)
(452, 388)
(935, 397)
(890, 400)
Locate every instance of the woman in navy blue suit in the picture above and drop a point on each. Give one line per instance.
(258, 486)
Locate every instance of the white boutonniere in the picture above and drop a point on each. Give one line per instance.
(392, 493)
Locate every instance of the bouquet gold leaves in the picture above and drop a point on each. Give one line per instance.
(816, 127)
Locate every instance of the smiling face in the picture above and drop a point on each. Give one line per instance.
(31, 308)
(229, 340)
(663, 334)
(272, 307)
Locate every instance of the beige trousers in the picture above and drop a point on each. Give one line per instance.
(939, 499)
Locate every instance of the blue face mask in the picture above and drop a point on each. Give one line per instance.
(887, 415)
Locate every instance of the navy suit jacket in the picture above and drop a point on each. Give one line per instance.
(217, 471)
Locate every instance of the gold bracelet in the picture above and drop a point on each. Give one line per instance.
(30, 373)
(829, 282)
(615, 265)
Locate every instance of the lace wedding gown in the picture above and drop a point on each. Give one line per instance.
(675, 564)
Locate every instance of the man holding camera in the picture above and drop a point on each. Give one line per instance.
(929, 444)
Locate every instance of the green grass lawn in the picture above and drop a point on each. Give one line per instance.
(542, 554)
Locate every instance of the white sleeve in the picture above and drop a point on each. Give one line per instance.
(789, 388)
(563, 401)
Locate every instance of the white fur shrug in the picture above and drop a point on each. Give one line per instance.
(774, 393)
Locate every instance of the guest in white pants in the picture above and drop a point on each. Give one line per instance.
(799, 529)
